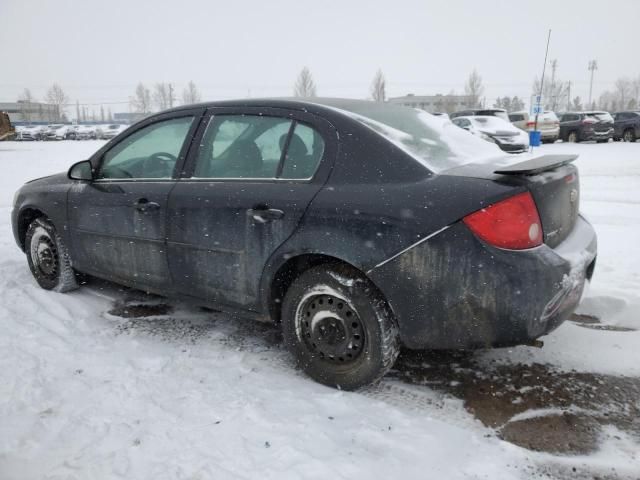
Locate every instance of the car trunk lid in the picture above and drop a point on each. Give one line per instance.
(554, 183)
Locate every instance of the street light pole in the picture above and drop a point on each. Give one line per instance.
(593, 66)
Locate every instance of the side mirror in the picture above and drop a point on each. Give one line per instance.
(81, 171)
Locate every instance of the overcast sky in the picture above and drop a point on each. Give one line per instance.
(99, 50)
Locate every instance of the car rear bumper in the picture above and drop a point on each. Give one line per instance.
(455, 292)
(593, 135)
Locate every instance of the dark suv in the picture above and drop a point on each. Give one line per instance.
(626, 126)
(585, 126)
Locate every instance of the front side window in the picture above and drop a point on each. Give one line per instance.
(151, 152)
(253, 146)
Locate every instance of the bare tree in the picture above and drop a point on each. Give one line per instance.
(623, 92)
(635, 87)
(554, 94)
(57, 98)
(474, 89)
(576, 106)
(190, 94)
(304, 86)
(378, 87)
(161, 96)
(26, 107)
(141, 101)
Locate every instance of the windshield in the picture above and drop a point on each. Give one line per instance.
(434, 141)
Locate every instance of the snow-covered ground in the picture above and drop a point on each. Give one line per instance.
(190, 394)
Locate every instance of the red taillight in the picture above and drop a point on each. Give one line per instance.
(589, 121)
(513, 223)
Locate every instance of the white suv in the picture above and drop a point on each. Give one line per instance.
(548, 124)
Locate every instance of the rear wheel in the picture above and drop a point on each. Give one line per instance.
(629, 135)
(572, 137)
(48, 257)
(339, 328)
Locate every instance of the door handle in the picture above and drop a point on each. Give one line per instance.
(263, 214)
(143, 205)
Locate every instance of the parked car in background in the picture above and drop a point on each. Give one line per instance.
(59, 132)
(18, 132)
(586, 126)
(485, 112)
(271, 209)
(107, 132)
(85, 132)
(32, 132)
(548, 124)
(626, 126)
(496, 130)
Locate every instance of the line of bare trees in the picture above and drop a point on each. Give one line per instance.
(163, 96)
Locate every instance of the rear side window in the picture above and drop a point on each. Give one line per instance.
(516, 117)
(304, 152)
(570, 117)
(241, 146)
(253, 146)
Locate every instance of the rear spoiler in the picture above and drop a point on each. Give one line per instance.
(537, 165)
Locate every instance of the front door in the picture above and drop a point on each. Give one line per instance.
(249, 184)
(118, 221)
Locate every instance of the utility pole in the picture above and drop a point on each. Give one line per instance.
(569, 96)
(77, 111)
(593, 66)
(554, 96)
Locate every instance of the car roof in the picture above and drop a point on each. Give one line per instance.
(284, 102)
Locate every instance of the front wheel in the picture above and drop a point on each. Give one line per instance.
(339, 328)
(48, 257)
(572, 137)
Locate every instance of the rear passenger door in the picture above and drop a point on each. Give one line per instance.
(243, 194)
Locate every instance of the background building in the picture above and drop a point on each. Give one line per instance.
(26, 112)
(435, 103)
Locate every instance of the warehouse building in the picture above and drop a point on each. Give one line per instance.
(435, 103)
(26, 112)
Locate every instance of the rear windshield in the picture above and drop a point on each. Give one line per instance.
(494, 113)
(488, 122)
(434, 141)
(601, 116)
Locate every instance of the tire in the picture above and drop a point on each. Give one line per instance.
(629, 135)
(48, 257)
(572, 137)
(355, 340)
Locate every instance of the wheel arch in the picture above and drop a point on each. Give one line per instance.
(291, 268)
(26, 216)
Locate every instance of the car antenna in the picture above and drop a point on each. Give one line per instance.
(539, 97)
